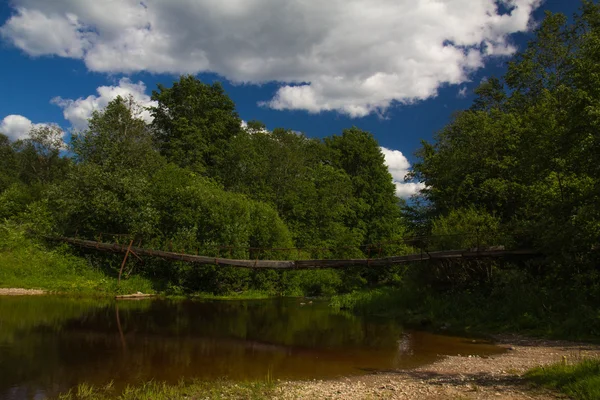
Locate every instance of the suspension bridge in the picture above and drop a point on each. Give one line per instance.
(421, 255)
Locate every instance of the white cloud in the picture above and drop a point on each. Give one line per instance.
(408, 189)
(462, 92)
(38, 33)
(77, 112)
(352, 56)
(17, 126)
(399, 166)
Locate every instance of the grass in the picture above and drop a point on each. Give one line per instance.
(27, 263)
(580, 381)
(220, 389)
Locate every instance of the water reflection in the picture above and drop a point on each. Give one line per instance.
(50, 344)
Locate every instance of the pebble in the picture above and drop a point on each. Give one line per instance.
(449, 378)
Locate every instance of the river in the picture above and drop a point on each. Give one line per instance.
(49, 344)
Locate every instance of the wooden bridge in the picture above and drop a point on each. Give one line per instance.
(486, 252)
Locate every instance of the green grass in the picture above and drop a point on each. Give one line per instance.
(163, 391)
(580, 381)
(27, 263)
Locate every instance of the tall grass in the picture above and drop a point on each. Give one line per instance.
(28, 263)
(213, 390)
(580, 381)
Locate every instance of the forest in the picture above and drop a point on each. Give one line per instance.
(520, 167)
(196, 180)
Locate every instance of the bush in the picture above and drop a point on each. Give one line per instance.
(463, 229)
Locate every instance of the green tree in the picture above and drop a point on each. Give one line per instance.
(117, 138)
(39, 155)
(107, 189)
(526, 150)
(194, 123)
(8, 164)
(375, 209)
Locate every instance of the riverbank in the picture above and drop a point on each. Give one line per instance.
(29, 264)
(21, 292)
(515, 304)
(460, 377)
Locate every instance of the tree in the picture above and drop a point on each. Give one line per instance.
(8, 164)
(194, 123)
(376, 212)
(490, 95)
(117, 138)
(527, 150)
(107, 190)
(39, 156)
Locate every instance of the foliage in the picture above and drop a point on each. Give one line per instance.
(196, 181)
(117, 139)
(464, 229)
(513, 301)
(29, 264)
(193, 123)
(15, 198)
(288, 170)
(8, 163)
(375, 208)
(579, 380)
(38, 156)
(525, 153)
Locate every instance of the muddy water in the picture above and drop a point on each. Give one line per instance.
(50, 344)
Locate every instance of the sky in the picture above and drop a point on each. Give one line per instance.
(396, 68)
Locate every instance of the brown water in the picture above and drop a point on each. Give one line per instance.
(50, 344)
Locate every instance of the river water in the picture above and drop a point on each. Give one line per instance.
(49, 344)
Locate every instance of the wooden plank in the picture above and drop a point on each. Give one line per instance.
(297, 264)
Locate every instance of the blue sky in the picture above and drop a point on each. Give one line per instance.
(394, 70)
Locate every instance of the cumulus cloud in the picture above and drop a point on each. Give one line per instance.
(399, 166)
(462, 92)
(351, 56)
(17, 126)
(78, 111)
(38, 33)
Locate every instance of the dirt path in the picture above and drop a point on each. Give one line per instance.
(464, 377)
(20, 292)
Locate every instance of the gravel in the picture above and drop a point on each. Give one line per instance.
(20, 292)
(455, 377)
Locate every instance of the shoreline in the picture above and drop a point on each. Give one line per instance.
(462, 377)
(21, 292)
(454, 377)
